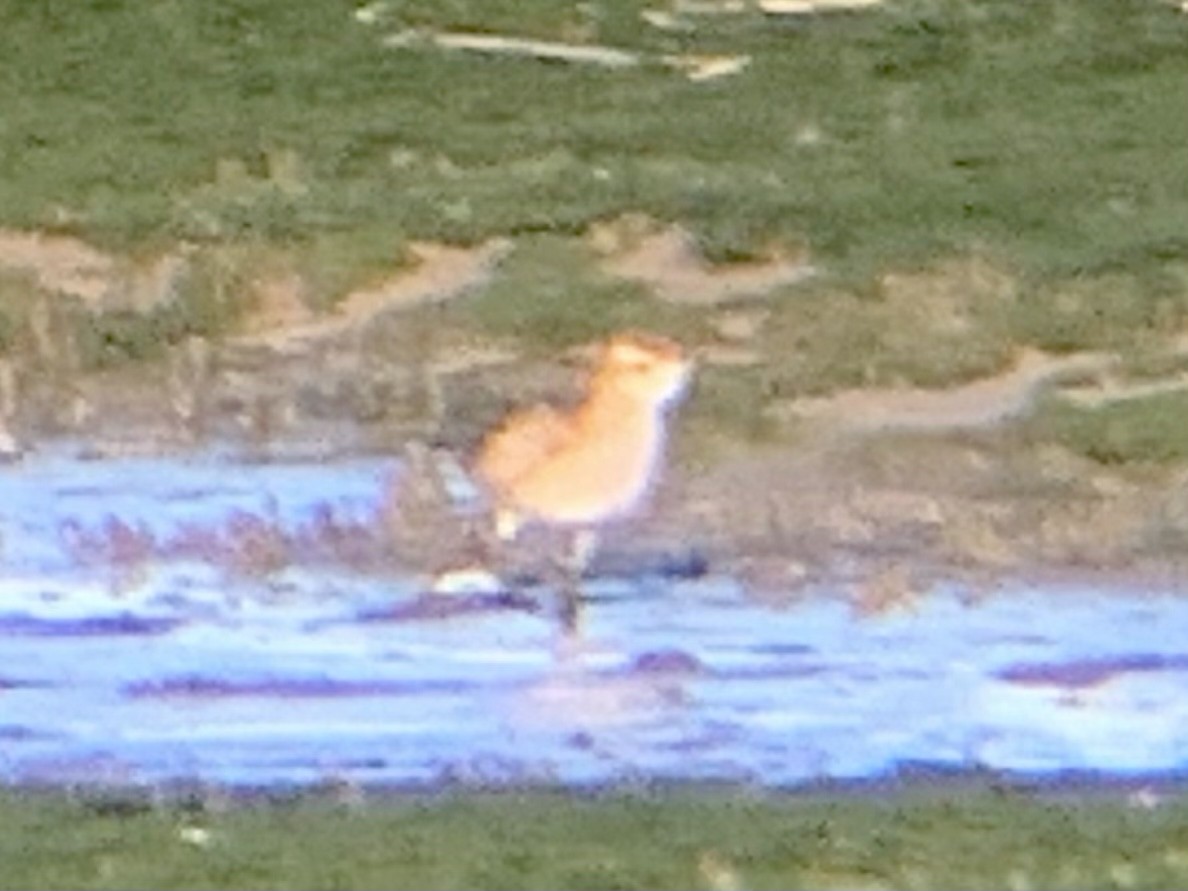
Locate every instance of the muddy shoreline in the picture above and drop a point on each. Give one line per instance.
(879, 518)
(883, 491)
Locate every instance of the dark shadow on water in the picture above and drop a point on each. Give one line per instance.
(122, 625)
(430, 607)
(196, 687)
(1083, 673)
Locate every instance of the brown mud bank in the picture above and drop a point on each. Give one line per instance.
(884, 489)
(941, 488)
(889, 516)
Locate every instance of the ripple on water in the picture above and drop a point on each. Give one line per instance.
(119, 625)
(209, 688)
(1089, 672)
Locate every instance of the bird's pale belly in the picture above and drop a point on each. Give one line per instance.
(593, 484)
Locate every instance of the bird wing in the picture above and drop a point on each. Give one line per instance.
(521, 443)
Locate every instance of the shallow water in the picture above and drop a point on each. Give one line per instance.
(127, 662)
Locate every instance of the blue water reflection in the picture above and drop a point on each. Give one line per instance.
(183, 670)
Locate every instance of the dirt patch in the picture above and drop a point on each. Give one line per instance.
(1110, 391)
(699, 67)
(807, 7)
(504, 45)
(280, 303)
(59, 264)
(668, 262)
(695, 67)
(981, 404)
(685, 10)
(439, 273)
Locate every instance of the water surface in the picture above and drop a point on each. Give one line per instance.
(132, 655)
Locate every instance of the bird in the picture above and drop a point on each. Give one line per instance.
(581, 469)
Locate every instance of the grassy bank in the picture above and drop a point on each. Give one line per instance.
(1047, 132)
(1043, 138)
(977, 838)
(969, 176)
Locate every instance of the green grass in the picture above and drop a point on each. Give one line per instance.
(1150, 429)
(1043, 137)
(1129, 311)
(1050, 130)
(919, 839)
(548, 295)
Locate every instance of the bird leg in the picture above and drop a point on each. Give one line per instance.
(582, 544)
(569, 567)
